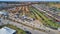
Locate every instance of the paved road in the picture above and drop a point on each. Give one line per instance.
(25, 28)
(44, 28)
(28, 28)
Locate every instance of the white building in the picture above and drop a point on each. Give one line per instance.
(6, 30)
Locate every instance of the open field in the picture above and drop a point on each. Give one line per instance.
(43, 18)
(54, 5)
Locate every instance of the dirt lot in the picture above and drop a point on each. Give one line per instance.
(56, 5)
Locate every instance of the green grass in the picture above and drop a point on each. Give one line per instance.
(46, 20)
(36, 15)
(19, 31)
(32, 15)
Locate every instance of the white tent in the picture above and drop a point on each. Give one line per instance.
(6, 30)
(4, 13)
(59, 29)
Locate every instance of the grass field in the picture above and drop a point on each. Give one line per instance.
(46, 20)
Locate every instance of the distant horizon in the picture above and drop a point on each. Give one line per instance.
(31, 0)
(27, 1)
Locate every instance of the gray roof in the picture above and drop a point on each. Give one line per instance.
(6, 30)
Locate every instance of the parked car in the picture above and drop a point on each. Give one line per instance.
(27, 32)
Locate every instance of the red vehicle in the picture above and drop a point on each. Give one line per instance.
(58, 20)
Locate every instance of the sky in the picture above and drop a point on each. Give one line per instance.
(29, 0)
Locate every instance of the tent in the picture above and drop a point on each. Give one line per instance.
(5, 13)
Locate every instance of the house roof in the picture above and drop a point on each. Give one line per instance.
(6, 30)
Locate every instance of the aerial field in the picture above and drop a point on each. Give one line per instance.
(54, 5)
(40, 16)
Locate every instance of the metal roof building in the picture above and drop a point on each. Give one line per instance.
(6, 30)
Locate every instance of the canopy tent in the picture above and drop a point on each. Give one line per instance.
(6, 30)
(4, 13)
